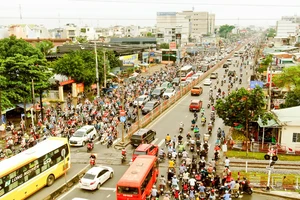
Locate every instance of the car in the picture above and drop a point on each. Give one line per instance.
(166, 85)
(195, 77)
(195, 105)
(229, 61)
(149, 106)
(189, 80)
(141, 136)
(145, 149)
(176, 81)
(157, 92)
(225, 65)
(95, 177)
(141, 100)
(169, 93)
(196, 90)
(213, 75)
(207, 82)
(83, 135)
(231, 73)
(199, 73)
(183, 83)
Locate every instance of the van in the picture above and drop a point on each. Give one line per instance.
(142, 136)
(145, 149)
(83, 135)
(229, 61)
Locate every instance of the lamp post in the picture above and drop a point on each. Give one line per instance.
(270, 87)
(97, 73)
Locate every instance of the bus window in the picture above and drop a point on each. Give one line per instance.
(128, 190)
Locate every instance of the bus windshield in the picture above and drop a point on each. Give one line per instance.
(185, 72)
(128, 190)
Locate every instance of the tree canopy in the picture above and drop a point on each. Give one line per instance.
(265, 63)
(80, 65)
(164, 46)
(225, 29)
(44, 46)
(271, 32)
(241, 106)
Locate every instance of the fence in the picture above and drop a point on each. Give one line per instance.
(147, 119)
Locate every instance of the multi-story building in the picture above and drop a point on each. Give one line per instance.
(88, 33)
(294, 19)
(144, 31)
(116, 31)
(57, 33)
(3, 32)
(172, 26)
(70, 31)
(29, 31)
(190, 25)
(132, 31)
(286, 32)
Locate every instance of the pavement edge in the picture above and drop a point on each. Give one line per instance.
(272, 194)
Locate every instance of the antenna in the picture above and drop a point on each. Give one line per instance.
(193, 8)
(58, 20)
(20, 10)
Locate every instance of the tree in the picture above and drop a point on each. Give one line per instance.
(80, 65)
(149, 34)
(243, 106)
(265, 63)
(271, 32)
(292, 99)
(289, 77)
(225, 30)
(45, 47)
(164, 46)
(81, 40)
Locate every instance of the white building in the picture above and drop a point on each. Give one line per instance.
(132, 31)
(145, 30)
(116, 31)
(294, 19)
(56, 33)
(4, 32)
(172, 24)
(70, 31)
(285, 30)
(88, 33)
(29, 31)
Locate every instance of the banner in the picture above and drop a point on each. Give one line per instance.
(145, 55)
(172, 45)
(130, 59)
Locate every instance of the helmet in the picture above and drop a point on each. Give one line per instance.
(226, 191)
(154, 186)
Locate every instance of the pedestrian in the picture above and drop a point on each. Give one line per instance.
(227, 161)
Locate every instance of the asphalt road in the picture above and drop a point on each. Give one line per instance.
(167, 123)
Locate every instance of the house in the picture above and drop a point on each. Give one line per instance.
(29, 31)
(289, 121)
(3, 32)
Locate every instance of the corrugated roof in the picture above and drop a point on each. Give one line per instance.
(288, 116)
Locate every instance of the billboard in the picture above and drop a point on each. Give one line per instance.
(129, 59)
(172, 45)
(145, 55)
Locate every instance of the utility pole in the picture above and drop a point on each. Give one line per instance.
(97, 73)
(0, 107)
(123, 123)
(104, 68)
(138, 109)
(270, 88)
(33, 102)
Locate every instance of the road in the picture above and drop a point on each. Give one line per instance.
(168, 122)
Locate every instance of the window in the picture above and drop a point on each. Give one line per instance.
(296, 137)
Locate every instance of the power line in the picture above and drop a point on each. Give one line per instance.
(194, 3)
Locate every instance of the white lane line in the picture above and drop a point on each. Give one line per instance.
(161, 142)
(108, 189)
(154, 141)
(68, 192)
(108, 196)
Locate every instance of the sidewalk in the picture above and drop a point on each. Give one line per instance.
(282, 194)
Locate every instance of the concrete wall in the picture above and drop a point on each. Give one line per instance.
(287, 136)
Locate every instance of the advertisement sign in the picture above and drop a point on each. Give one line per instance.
(130, 59)
(253, 84)
(145, 55)
(172, 45)
(79, 87)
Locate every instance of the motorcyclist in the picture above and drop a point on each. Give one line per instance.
(209, 127)
(192, 181)
(123, 152)
(174, 154)
(205, 145)
(161, 152)
(174, 141)
(181, 148)
(188, 136)
(196, 129)
(181, 125)
(195, 115)
(202, 110)
(193, 121)
(175, 182)
(162, 181)
(203, 119)
(185, 154)
(182, 168)
(198, 143)
(168, 138)
(185, 176)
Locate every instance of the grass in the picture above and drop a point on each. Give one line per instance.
(259, 155)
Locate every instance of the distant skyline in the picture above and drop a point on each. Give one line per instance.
(105, 13)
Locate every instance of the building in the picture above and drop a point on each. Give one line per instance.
(56, 33)
(286, 32)
(184, 27)
(116, 31)
(29, 31)
(4, 32)
(144, 31)
(88, 33)
(149, 41)
(132, 31)
(294, 19)
(70, 31)
(172, 26)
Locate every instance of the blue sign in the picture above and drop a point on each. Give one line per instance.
(253, 84)
(122, 119)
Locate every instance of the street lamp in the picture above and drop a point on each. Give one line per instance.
(97, 73)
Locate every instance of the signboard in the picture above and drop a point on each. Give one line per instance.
(130, 59)
(253, 84)
(79, 87)
(145, 55)
(172, 45)
(166, 13)
(178, 35)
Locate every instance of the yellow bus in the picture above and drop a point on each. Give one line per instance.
(27, 172)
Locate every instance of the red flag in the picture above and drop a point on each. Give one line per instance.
(290, 149)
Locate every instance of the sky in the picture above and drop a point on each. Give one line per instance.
(105, 13)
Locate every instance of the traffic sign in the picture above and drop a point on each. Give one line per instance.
(122, 119)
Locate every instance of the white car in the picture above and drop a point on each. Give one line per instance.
(169, 93)
(95, 177)
(142, 100)
(207, 82)
(83, 135)
(183, 83)
(195, 77)
(199, 73)
(189, 80)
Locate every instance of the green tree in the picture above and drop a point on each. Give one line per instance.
(271, 32)
(224, 30)
(292, 99)
(289, 77)
(164, 46)
(243, 106)
(45, 47)
(265, 63)
(149, 34)
(80, 65)
(81, 40)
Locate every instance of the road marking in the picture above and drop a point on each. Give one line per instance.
(154, 141)
(108, 196)
(68, 192)
(161, 142)
(108, 189)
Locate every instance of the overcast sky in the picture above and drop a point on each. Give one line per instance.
(104, 13)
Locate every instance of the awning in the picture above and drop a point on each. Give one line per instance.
(270, 123)
(28, 106)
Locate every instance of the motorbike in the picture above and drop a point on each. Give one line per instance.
(245, 188)
(169, 155)
(161, 189)
(179, 154)
(180, 130)
(123, 158)
(192, 148)
(192, 126)
(92, 162)
(198, 150)
(208, 105)
(109, 143)
(161, 157)
(90, 146)
(203, 123)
